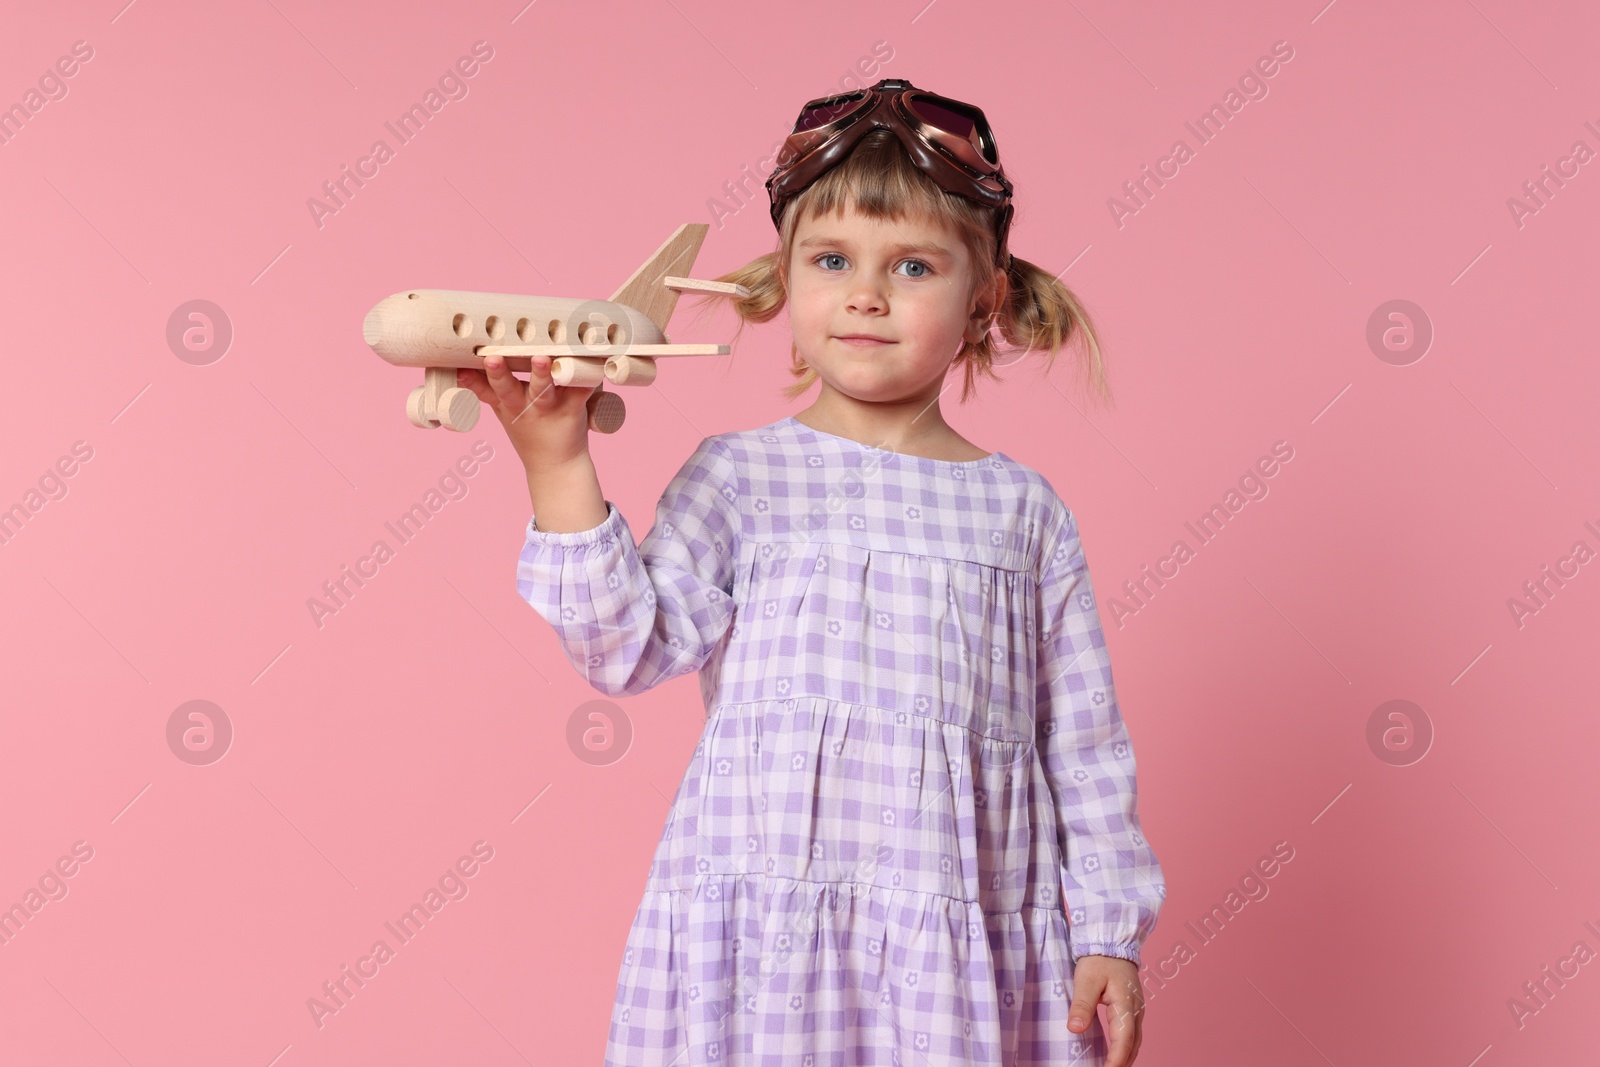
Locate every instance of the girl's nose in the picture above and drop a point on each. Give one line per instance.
(867, 295)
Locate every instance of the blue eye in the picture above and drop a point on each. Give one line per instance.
(924, 269)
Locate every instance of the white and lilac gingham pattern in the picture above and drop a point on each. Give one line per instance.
(913, 805)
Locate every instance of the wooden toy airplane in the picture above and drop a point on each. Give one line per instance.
(592, 341)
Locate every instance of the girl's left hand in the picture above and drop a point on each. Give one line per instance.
(1115, 983)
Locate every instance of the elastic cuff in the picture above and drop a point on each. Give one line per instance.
(608, 528)
(1107, 948)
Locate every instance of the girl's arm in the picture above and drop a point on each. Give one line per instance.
(630, 618)
(567, 497)
(1111, 879)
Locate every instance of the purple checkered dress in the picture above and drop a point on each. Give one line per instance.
(913, 804)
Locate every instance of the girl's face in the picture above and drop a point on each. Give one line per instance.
(904, 282)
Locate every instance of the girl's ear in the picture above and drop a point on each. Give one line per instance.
(983, 311)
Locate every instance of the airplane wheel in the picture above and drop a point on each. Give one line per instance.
(459, 409)
(416, 409)
(606, 412)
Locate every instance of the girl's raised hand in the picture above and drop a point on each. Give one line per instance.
(547, 424)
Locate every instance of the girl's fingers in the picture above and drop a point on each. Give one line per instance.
(474, 380)
(541, 391)
(506, 387)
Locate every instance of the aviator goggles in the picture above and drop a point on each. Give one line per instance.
(948, 140)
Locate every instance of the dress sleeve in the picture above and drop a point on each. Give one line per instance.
(629, 618)
(1112, 884)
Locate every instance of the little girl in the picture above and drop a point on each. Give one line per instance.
(909, 834)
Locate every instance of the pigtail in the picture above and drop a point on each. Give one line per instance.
(1037, 312)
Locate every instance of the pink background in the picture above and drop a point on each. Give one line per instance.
(431, 711)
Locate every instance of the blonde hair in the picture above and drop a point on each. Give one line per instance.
(1035, 310)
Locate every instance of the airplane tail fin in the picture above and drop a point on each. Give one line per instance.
(644, 291)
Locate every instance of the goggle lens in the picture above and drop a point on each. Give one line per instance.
(968, 126)
(823, 112)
